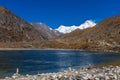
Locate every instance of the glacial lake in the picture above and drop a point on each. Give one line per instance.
(45, 61)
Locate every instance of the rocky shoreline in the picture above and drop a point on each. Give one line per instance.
(9, 49)
(90, 73)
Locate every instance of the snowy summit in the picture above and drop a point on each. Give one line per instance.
(68, 29)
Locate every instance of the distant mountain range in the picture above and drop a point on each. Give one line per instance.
(17, 33)
(68, 29)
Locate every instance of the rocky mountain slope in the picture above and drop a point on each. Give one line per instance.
(15, 29)
(105, 35)
(108, 29)
(45, 31)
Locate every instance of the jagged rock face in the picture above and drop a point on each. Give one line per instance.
(44, 30)
(14, 29)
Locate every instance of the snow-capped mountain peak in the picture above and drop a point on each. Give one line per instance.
(68, 29)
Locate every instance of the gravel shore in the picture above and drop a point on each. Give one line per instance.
(104, 73)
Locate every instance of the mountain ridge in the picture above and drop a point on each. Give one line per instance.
(13, 28)
(104, 36)
(45, 30)
(67, 29)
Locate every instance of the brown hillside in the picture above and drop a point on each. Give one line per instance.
(105, 35)
(109, 29)
(14, 29)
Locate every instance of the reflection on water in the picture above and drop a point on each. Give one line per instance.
(42, 61)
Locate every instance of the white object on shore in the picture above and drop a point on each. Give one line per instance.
(16, 74)
(17, 71)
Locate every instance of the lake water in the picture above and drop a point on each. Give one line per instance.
(44, 61)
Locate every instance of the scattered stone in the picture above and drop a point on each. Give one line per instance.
(104, 73)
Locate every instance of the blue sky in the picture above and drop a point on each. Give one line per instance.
(63, 12)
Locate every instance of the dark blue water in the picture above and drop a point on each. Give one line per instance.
(42, 61)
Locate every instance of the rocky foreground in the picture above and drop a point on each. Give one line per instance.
(104, 73)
